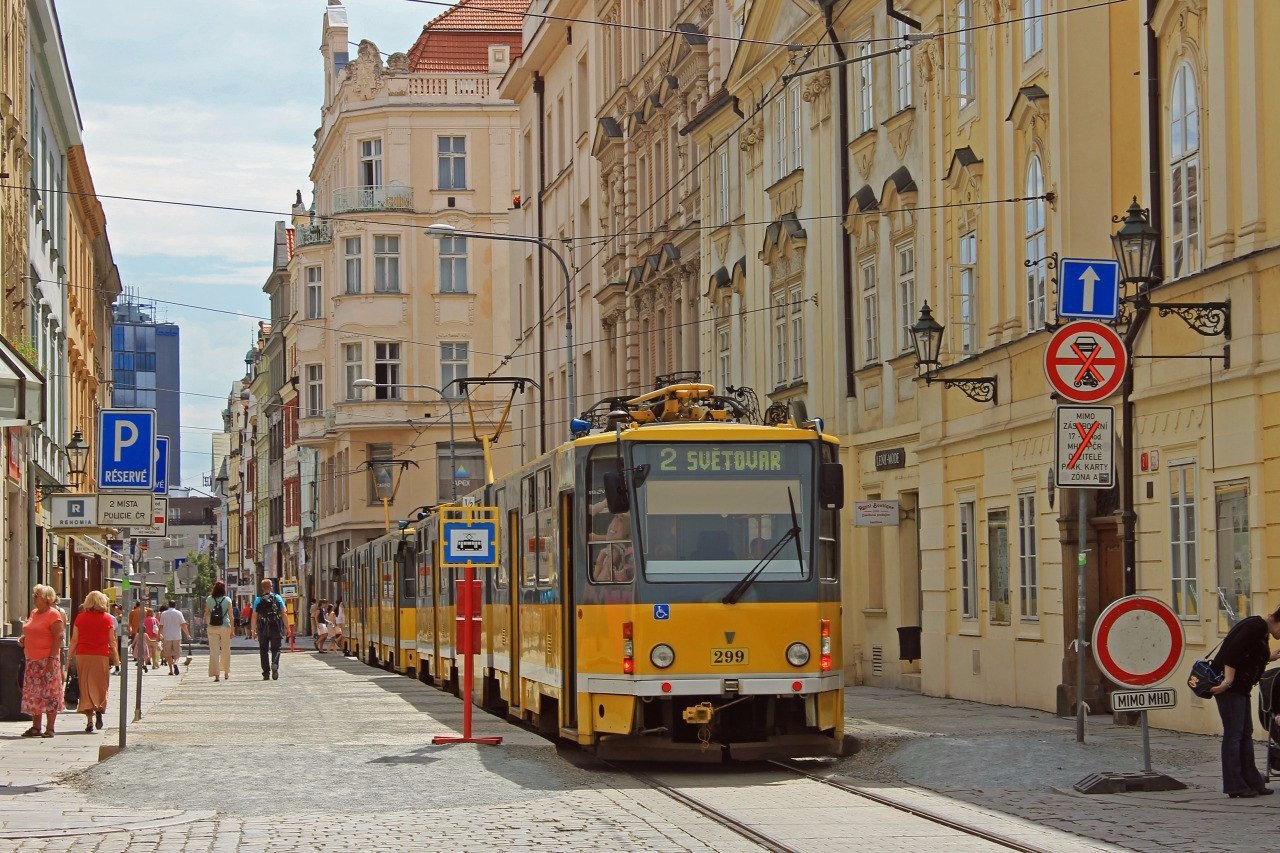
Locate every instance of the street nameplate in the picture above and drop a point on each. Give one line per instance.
(1084, 447)
(1143, 700)
(125, 510)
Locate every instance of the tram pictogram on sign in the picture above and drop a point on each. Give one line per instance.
(1085, 361)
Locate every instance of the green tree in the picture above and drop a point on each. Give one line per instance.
(206, 574)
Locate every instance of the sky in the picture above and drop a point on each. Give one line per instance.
(214, 103)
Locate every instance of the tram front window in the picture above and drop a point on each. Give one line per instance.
(711, 512)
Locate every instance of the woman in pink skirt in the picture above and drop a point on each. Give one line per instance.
(41, 640)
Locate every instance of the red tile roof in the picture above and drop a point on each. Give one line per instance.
(459, 39)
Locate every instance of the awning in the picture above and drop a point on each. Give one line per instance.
(93, 545)
(21, 389)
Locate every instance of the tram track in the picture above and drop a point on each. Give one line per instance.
(763, 839)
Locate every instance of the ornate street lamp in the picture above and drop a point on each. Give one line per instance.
(77, 455)
(926, 338)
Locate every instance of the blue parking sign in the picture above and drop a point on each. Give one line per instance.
(1089, 288)
(162, 465)
(126, 449)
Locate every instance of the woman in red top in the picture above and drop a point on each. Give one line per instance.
(41, 643)
(93, 645)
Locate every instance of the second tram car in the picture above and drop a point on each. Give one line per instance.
(669, 588)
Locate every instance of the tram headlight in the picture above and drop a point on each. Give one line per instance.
(662, 656)
(797, 654)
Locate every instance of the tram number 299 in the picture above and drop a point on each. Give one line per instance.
(728, 657)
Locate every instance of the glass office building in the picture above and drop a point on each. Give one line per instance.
(144, 371)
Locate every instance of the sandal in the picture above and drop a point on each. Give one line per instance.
(47, 733)
(32, 732)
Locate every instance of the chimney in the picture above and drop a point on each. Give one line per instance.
(499, 58)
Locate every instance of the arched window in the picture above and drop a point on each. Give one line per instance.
(1033, 228)
(1184, 173)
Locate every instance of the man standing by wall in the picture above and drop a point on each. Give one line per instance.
(267, 624)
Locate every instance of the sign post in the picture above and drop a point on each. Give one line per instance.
(469, 535)
(1137, 643)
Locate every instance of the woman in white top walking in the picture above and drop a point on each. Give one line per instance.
(217, 615)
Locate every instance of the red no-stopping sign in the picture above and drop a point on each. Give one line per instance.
(1085, 361)
(1138, 641)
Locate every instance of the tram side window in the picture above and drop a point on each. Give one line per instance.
(529, 530)
(546, 531)
(408, 574)
(610, 550)
(828, 531)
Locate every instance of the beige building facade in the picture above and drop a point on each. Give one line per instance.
(405, 142)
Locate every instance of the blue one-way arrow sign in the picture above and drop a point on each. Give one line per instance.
(1089, 288)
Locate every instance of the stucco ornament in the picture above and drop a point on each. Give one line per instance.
(366, 71)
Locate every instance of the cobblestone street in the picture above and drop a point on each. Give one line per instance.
(339, 758)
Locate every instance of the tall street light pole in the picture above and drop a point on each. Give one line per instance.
(443, 230)
(453, 459)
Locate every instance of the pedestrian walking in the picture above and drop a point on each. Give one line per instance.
(93, 650)
(217, 614)
(41, 643)
(117, 614)
(334, 621)
(267, 624)
(246, 618)
(150, 639)
(173, 625)
(1242, 657)
(322, 625)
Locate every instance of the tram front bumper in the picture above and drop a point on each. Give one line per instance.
(700, 685)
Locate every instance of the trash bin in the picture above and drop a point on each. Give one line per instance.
(909, 643)
(10, 689)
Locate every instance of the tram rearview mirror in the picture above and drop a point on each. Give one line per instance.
(831, 485)
(615, 492)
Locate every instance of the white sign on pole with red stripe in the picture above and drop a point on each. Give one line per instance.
(1085, 361)
(1138, 641)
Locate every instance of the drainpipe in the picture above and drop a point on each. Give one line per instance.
(540, 89)
(1128, 414)
(846, 239)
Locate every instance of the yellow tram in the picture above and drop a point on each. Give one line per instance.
(669, 587)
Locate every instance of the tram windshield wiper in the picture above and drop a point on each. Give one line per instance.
(741, 587)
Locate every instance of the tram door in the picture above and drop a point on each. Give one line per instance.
(568, 607)
(514, 556)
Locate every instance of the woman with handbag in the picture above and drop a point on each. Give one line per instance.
(1242, 657)
(93, 649)
(41, 643)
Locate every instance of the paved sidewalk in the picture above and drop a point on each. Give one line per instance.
(33, 804)
(1023, 762)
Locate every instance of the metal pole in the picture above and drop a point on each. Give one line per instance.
(1081, 642)
(1146, 744)
(140, 597)
(126, 571)
(469, 665)
(453, 457)
(568, 333)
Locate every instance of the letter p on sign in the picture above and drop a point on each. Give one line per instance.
(123, 427)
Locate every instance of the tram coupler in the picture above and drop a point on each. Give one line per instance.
(700, 714)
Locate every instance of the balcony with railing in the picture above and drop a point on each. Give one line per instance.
(315, 234)
(388, 197)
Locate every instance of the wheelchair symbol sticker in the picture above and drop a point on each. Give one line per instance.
(661, 611)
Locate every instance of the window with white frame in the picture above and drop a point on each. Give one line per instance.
(721, 183)
(967, 294)
(315, 292)
(1182, 540)
(724, 356)
(968, 553)
(795, 99)
(966, 54)
(998, 610)
(352, 261)
(453, 365)
(452, 161)
(902, 93)
(870, 313)
(453, 264)
(386, 370)
(315, 390)
(1028, 557)
(1035, 244)
(780, 338)
(1184, 172)
(353, 369)
(905, 268)
(797, 334)
(1032, 28)
(386, 264)
(787, 130)
(864, 91)
(371, 162)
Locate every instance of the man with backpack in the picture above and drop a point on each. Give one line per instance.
(267, 624)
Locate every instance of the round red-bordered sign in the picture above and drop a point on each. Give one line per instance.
(1085, 361)
(1138, 641)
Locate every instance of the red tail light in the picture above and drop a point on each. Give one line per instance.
(824, 660)
(628, 650)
